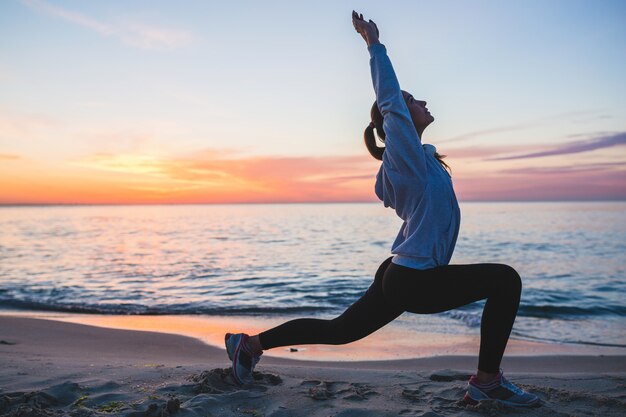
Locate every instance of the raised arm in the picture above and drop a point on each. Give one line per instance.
(403, 148)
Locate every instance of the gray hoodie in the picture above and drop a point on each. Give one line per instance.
(411, 180)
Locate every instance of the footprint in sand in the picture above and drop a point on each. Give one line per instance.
(448, 375)
(319, 390)
(220, 380)
(171, 407)
(489, 407)
(39, 403)
(594, 401)
(324, 390)
(419, 413)
(357, 392)
(414, 395)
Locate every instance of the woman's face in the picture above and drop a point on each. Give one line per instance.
(419, 113)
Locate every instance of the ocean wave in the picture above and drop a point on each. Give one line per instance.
(140, 309)
(536, 309)
(569, 311)
(543, 339)
(470, 316)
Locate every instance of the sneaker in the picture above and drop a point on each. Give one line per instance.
(499, 389)
(243, 360)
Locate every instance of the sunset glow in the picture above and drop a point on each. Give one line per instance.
(111, 103)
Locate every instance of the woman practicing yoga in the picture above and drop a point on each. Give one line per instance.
(412, 180)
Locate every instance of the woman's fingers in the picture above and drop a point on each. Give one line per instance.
(357, 22)
(375, 27)
(357, 16)
(362, 26)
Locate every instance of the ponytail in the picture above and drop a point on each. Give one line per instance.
(370, 143)
(370, 140)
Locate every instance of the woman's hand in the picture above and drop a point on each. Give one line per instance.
(368, 30)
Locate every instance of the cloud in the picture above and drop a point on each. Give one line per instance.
(573, 169)
(485, 132)
(544, 184)
(526, 125)
(478, 151)
(573, 147)
(292, 177)
(8, 157)
(18, 126)
(152, 37)
(134, 34)
(213, 175)
(581, 181)
(123, 163)
(217, 176)
(588, 135)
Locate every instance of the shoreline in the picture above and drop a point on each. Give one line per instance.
(406, 345)
(81, 342)
(51, 366)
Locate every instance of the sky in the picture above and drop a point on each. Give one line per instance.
(116, 102)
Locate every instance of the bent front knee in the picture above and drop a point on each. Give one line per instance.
(510, 278)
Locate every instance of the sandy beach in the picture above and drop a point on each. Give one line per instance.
(54, 368)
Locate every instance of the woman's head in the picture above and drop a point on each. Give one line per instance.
(419, 114)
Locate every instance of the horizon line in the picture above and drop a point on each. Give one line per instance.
(2, 205)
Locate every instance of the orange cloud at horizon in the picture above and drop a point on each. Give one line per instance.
(203, 178)
(214, 176)
(542, 186)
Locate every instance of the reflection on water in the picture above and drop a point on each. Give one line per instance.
(309, 260)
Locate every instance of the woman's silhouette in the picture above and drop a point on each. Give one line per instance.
(412, 180)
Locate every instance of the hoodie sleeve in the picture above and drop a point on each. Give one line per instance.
(404, 154)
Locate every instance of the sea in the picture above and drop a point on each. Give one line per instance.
(310, 260)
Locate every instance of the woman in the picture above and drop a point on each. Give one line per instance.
(414, 182)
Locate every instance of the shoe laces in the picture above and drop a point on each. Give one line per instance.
(511, 386)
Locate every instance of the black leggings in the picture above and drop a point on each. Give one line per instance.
(397, 289)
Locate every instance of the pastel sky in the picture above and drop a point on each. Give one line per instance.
(266, 101)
